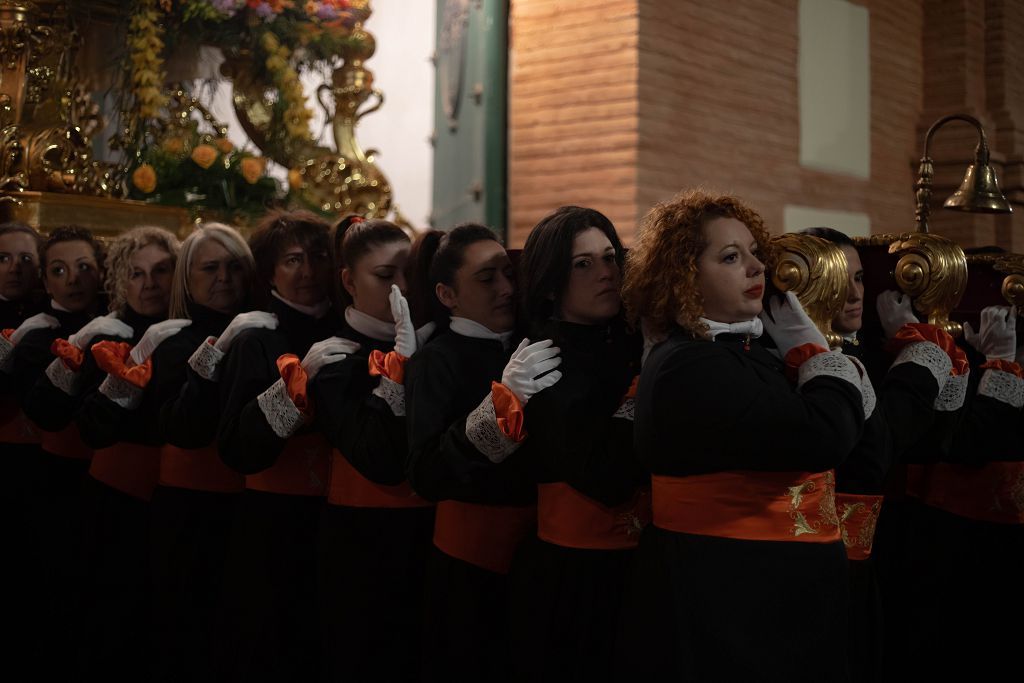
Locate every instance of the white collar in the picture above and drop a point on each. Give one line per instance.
(754, 327)
(471, 328)
(316, 310)
(370, 326)
(57, 307)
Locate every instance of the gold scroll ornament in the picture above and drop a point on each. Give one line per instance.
(816, 271)
(932, 270)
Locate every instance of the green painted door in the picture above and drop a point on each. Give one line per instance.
(470, 113)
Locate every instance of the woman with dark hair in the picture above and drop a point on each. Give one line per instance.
(123, 469)
(71, 261)
(567, 583)
(375, 533)
(266, 432)
(462, 449)
(742, 574)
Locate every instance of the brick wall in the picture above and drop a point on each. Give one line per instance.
(715, 103)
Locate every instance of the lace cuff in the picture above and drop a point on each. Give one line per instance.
(6, 351)
(485, 433)
(206, 360)
(122, 392)
(867, 390)
(835, 364)
(951, 396)
(63, 377)
(393, 394)
(1002, 386)
(281, 413)
(928, 355)
(627, 407)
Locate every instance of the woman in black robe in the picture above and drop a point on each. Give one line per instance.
(567, 583)
(464, 399)
(742, 574)
(72, 266)
(375, 535)
(270, 609)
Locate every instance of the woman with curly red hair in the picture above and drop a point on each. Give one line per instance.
(742, 574)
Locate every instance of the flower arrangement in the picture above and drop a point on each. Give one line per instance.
(196, 170)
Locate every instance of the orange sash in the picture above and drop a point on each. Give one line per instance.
(858, 515)
(747, 505)
(568, 518)
(351, 489)
(198, 469)
(67, 443)
(129, 468)
(483, 535)
(14, 426)
(302, 468)
(993, 492)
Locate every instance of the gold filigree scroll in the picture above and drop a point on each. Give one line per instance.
(826, 506)
(933, 271)
(816, 271)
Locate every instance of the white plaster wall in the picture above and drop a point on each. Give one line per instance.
(400, 130)
(835, 87)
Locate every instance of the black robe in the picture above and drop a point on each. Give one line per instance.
(465, 611)
(116, 602)
(270, 612)
(189, 527)
(565, 600)
(704, 607)
(372, 559)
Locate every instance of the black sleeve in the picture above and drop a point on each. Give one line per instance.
(574, 443)
(865, 469)
(443, 463)
(29, 360)
(704, 409)
(189, 405)
(906, 399)
(103, 423)
(245, 440)
(51, 408)
(357, 423)
(987, 430)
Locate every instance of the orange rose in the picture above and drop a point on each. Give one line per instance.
(144, 178)
(252, 169)
(224, 145)
(295, 181)
(204, 156)
(174, 145)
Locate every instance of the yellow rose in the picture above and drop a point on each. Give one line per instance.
(204, 156)
(224, 145)
(252, 169)
(174, 145)
(144, 178)
(295, 181)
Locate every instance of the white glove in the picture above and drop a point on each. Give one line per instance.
(895, 310)
(155, 336)
(529, 361)
(105, 325)
(325, 352)
(405, 333)
(998, 336)
(37, 322)
(244, 321)
(789, 325)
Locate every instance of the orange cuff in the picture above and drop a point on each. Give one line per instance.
(508, 411)
(1004, 365)
(390, 365)
(7, 332)
(295, 380)
(112, 357)
(798, 355)
(70, 355)
(912, 333)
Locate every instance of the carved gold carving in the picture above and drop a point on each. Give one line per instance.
(816, 271)
(933, 271)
